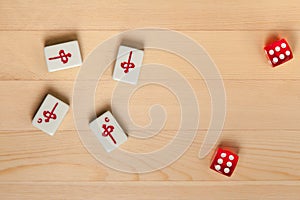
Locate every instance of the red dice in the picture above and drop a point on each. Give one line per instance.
(224, 162)
(278, 52)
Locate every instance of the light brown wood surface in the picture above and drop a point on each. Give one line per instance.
(263, 103)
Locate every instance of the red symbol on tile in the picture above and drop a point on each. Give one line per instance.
(63, 56)
(127, 65)
(108, 130)
(48, 115)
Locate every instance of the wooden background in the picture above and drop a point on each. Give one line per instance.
(263, 103)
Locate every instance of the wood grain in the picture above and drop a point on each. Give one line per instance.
(238, 55)
(262, 121)
(179, 15)
(34, 156)
(149, 190)
(251, 104)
